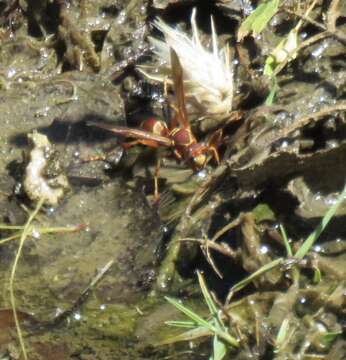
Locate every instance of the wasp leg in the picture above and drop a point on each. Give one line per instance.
(125, 146)
(177, 155)
(149, 143)
(156, 179)
(213, 144)
(214, 154)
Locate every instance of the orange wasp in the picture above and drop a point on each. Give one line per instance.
(178, 136)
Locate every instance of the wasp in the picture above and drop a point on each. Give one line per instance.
(178, 136)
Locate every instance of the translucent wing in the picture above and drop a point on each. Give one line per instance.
(133, 133)
(177, 75)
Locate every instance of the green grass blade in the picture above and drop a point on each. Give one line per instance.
(274, 88)
(328, 338)
(317, 275)
(189, 313)
(258, 19)
(203, 323)
(306, 246)
(207, 297)
(282, 335)
(182, 324)
(219, 349)
(286, 242)
(265, 268)
(210, 303)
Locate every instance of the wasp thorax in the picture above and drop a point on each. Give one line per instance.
(155, 126)
(183, 137)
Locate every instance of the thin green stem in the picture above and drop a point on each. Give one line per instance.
(11, 227)
(25, 233)
(9, 238)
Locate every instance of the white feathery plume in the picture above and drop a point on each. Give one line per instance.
(208, 76)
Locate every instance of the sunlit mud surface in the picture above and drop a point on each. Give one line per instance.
(94, 270)
(113, 222)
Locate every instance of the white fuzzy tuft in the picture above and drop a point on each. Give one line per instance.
(208, 74)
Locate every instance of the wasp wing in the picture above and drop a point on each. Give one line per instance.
(133, 133)
(177, 75)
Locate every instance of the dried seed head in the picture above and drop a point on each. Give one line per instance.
(208, 75)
